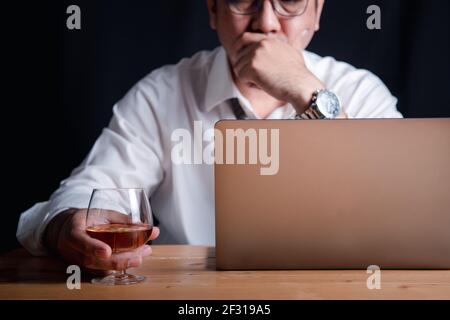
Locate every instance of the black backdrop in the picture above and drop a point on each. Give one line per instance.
(61, 84)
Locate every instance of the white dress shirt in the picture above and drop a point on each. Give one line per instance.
(135, 149)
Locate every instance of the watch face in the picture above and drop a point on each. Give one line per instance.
(328, 104)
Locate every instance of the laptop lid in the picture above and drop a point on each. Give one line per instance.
(347, 194)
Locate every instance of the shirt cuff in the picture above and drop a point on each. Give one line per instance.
(34, 221)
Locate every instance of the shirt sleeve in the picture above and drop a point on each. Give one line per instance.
(365, 96)
(128, 153)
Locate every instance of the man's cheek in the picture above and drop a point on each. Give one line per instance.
(306, 33)
(302, 40)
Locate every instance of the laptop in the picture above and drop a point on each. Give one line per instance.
(345, 194)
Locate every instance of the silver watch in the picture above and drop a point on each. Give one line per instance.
(324, 105)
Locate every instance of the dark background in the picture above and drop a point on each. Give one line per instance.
(60, 85)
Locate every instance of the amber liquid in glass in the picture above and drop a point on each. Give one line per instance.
(121, 237)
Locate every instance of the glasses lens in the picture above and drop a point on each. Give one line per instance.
(243, 6)
(283, 7)
(291, 7)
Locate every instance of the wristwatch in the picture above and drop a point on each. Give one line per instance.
(324, 105)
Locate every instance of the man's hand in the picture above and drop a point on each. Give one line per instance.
(67, 236)
(342, 115)
(276, 67)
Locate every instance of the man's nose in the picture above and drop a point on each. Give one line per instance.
(266, 20)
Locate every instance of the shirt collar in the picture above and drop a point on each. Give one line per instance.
(220, 86)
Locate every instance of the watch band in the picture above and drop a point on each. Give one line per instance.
(311, 113)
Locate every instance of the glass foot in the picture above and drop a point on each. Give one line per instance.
(119, 278)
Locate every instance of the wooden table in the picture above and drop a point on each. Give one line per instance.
(188, 272)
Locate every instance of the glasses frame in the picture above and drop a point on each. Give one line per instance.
(274, 6)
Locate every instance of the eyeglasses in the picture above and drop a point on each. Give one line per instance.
(285, 8)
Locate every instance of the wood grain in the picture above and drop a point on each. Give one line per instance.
(188, 272)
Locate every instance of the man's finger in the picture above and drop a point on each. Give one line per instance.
(119, 261)
(342, 115)
(250, 37)
(82, 242)
(155, 233)
(246, 39)
(243, 54)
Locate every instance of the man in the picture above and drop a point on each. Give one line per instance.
(262, 65)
